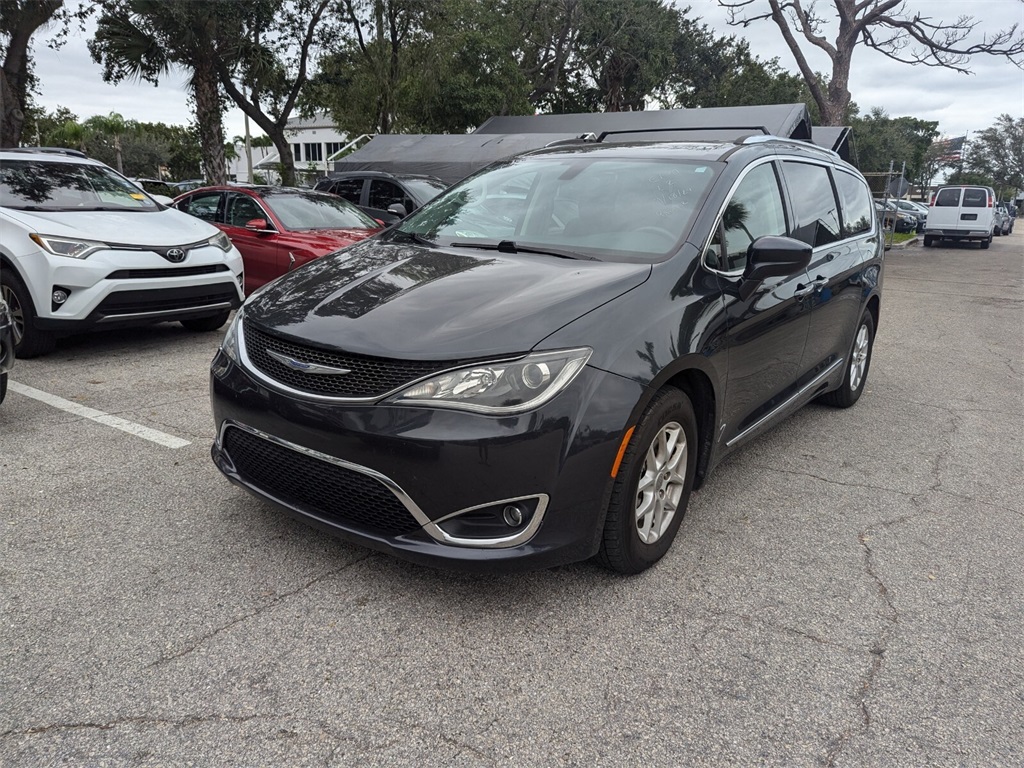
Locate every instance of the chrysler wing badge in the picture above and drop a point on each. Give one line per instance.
(300, 365)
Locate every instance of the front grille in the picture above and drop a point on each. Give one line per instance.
(315, 486)
(142, 274)
(167, 299)
(367, 377)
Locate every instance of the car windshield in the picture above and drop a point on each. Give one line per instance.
(611, 208)
(41, 185)
(307, 210)
(425, 189)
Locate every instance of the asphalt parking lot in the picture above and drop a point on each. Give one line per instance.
(846, 591)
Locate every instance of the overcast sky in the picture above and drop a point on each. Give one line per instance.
(960, 103)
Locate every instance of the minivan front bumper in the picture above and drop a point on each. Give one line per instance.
(431, 485)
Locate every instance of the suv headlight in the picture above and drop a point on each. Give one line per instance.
(500, 388)
(222, 241)
(63, 246)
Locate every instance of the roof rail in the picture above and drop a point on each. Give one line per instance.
(46, 150)
(696, 128)
(586, 138)
(805, 143)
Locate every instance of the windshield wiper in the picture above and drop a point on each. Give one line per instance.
(510, 246)
(416, 238)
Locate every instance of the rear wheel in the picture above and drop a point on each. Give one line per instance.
(986, 243)
(208, 323)
(856, 366)
(29, 341)
(652, 486)
(3, 386)
(929, 241)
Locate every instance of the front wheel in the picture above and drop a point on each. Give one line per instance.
(29, 341)
(856, 367)
(652, 486)
(208, 323)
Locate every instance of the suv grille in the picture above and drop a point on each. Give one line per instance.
(367, 377)
(312, 485)
(167, 299)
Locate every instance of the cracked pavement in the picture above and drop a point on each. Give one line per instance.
(845, 591)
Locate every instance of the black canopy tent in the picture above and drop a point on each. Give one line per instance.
(451, 157)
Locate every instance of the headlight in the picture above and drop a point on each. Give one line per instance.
(221, 241)
(229, 346)
(501, 387)
(62, 246)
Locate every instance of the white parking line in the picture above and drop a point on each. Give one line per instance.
(153, 435)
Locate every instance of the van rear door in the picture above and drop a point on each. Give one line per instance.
(944, 212)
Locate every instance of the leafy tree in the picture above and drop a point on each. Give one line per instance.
(145, 39)
(265, 66)
(998, 154)
(20, 20)
(887, 26)
(112, 127)
(879, 139)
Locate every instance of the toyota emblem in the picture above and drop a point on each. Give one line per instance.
(175, 255)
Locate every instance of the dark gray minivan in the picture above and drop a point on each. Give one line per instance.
(539, 365)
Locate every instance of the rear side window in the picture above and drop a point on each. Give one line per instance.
(384, 194)
(974, 197)
(948, 198)
(202, 206)
(814, 203)
(350, 189)
(856, 201)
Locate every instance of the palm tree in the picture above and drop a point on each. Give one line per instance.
(73, 134)
(145, 39)
(114, 126)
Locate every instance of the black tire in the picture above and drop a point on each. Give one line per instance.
(986, 243)
(208, 323)
(929, 241)
(848, 394)
(3, 386)
(622, 548)
(29, 341)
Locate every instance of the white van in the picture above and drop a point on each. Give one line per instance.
(961, 213)
(82, 246)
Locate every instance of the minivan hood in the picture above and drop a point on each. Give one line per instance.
(156, 227)
(414, 302)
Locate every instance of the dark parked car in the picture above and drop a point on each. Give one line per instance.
(889, 213)
(540, 365)
(277, 229)
(377, 193)
(6, 346)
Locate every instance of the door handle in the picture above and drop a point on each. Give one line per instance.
(816, 284)
(291, 260)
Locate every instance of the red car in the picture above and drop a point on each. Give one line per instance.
(277, 229)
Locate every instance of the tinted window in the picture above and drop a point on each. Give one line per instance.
(814, 203)
(384, 194)
(202, 206)
(975, 197)
(755, 210)
(425, 189)
(243, 209)
(856, 201)
(350, 189)
(948, 198)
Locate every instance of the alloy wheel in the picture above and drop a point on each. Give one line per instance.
(859, 359)
(661, 482)
(17, 313)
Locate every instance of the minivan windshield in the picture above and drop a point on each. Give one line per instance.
(37, 185)
(584, 205)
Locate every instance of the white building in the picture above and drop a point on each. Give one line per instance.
(313, 142)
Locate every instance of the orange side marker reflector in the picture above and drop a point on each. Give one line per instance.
(622, 451)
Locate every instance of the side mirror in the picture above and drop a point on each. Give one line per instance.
(398, 209)
(257, 225)
(773, 256)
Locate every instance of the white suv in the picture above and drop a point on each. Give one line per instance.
(81, 247)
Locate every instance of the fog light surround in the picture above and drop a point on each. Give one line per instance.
(496, 525)
(58, 296)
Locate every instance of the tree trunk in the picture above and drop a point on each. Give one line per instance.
(208, 115)
(12, 118)
(284, 155)
(22, 23)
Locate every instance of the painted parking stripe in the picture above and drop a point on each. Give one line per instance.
(146, 433)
